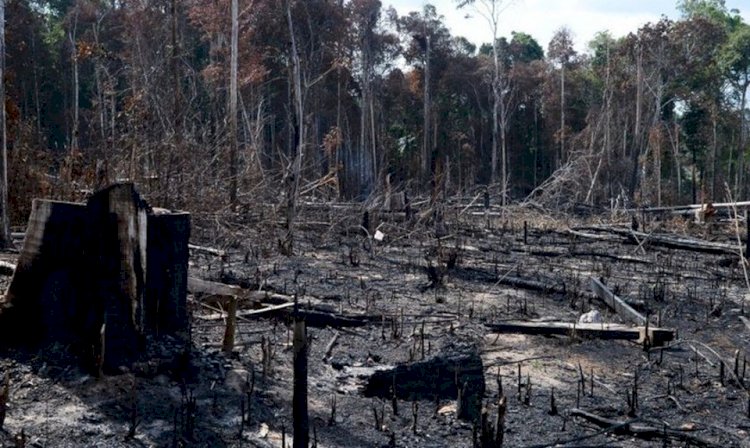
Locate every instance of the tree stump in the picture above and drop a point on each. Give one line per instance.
(441, 377)
(111, 265)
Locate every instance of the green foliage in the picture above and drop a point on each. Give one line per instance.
(734, 57)
(524, 48)
(162, 113)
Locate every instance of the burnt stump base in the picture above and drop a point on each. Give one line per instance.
(99, 278)
(438, 377)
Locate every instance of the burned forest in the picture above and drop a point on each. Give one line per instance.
(365, 223)
(476, 326)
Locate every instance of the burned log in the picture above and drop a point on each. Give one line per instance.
(632, 428)
(442, 377)
(616, 304)
(657, 336)
(111, 264)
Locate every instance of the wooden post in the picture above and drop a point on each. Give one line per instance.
(228, 344)
(299, 401)
(747, 237)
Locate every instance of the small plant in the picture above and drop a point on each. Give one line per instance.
(268, 353)
(4, 395)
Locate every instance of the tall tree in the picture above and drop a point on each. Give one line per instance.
(562, 52)
(429, 44)
(234, 155)
(491, 10)
(294, 171)
(734, 59)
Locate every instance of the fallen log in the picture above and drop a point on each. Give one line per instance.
(474, 274)
(593, 236)
(689, 207)
(642, 431)
(664, 240)
(616, 304)
(207, 250)
(657, 336)
(329, 347)
(441, 376)
(222, 292)
(200, 286)
(313, 318)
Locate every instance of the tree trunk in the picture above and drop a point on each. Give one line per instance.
(636, 149)
(495, 110)
(110, 261)
(177, 109)
(426, 147)
(5, 239)
(740, 187)
(296, 168)
(234, 150)
(74, 51)
(562, 116)
(299, 405)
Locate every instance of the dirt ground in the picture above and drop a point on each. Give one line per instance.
(483, 271)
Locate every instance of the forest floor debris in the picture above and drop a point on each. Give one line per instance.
(373, 305)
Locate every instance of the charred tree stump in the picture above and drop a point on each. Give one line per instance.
(299, 401)
(436, 378)
(102, 274)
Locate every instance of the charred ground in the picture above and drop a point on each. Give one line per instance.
(427, 291)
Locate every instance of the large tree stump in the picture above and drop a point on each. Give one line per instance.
(99, 277)
(441, 377)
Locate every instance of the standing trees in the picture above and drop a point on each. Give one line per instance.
(561, 51)
(429, 45)
(490, 10)
(372, 47)
(734, 59)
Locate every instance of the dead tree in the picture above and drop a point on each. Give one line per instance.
(299, 411)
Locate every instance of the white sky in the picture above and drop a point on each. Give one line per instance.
(541, 18)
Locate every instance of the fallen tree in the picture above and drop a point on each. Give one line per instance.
(657, 336)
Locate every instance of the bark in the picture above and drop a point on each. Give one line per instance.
(296, 168)
(74, 57)
(176, 112)
(234, 150)
(299, 411)
(111, 260)
(636, 150)
(562, 157)
(5, 239)
(441, 376)
(426, 145)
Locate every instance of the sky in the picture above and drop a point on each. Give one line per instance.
(541, 18)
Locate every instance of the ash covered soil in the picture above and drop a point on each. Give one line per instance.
(416, 297)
